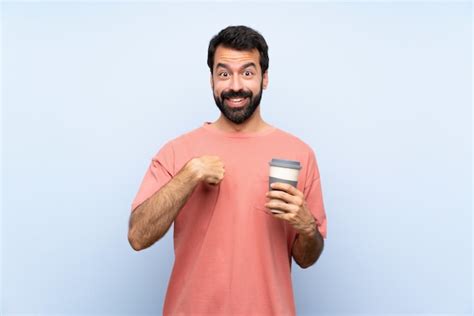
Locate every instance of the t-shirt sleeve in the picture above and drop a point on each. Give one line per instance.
(159, 172)
(313, 194)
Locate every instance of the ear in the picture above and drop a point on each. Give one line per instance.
(265, 79)
(212, 82)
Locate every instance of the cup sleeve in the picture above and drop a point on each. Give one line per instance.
(159, 172)
(313, 195)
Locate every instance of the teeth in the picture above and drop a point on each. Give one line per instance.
(236, 100)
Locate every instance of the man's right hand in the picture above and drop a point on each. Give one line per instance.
(209, 169)
(152, 219)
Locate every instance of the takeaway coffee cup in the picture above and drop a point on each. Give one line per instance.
(286, 171)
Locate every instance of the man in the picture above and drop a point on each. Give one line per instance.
(232, 255)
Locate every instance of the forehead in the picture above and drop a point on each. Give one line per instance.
(233, 57)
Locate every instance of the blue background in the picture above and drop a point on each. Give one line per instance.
(381, 91)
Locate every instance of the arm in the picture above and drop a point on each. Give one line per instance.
(151, 220)
(309, 242)
(307, 247)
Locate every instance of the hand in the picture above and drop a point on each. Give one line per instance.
(209, 169)
(291, 201)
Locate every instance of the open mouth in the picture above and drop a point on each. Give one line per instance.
(236, 102)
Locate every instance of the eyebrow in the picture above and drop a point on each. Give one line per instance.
(243, 66)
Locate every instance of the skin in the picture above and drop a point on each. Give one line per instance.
(152, 219)
(309, 242)
(233, 77)
(232, 73)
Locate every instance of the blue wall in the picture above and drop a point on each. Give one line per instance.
(381, 91)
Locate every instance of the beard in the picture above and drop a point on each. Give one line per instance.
(239, 115)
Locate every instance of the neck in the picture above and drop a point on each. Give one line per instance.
(252, 125)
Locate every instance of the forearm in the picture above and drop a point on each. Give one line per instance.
(308, 247)
(152, 219)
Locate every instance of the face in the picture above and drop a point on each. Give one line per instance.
(237, 83)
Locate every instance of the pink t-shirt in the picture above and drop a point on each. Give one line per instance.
(231, 257)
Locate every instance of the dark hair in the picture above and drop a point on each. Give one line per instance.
(240, 38)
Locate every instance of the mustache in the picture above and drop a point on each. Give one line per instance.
(236, 94)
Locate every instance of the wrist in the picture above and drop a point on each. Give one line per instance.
(310, 232)
(311, 228)
(193, 173)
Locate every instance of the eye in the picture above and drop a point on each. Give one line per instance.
(223, 74)
(248, 73)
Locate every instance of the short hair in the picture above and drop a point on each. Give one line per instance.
(242, 38)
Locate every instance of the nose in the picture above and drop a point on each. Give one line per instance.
(236, 84)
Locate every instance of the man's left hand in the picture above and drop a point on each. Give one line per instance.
(291, 201)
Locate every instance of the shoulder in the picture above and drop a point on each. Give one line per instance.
(173, 152)
(294, 141)
(182, 138)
